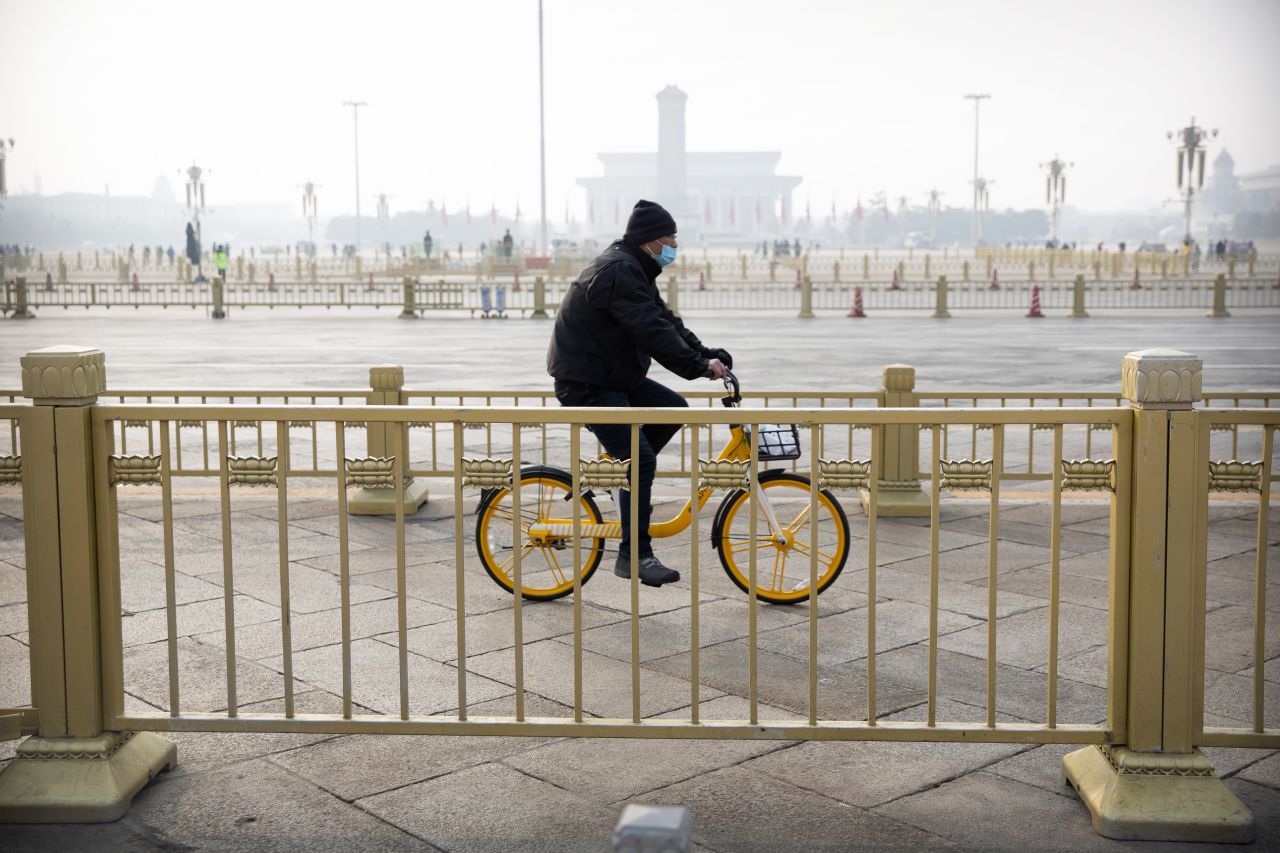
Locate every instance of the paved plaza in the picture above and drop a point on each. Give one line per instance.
(251, 792)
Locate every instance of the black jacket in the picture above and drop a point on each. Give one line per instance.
(612, 322)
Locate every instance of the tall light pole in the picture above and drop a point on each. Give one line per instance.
(542, 135)
(5, 145)
(934, 208)
(384, 219)
(195, 203)
(977, 224)
(1191, 151)
(981, 203)
(310, 210)
(355, 124)
(1055, 191)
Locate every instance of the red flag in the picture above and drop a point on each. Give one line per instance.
(517, 212)
(493, 213)
(706, 216)
(444, 212)
(857, 211)
(807, 216)
(468, 213)
(833, 210)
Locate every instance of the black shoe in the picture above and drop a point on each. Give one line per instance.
(652, 572)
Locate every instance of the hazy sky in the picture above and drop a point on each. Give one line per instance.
(857, 96)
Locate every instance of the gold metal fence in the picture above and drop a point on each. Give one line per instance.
(1156, 475)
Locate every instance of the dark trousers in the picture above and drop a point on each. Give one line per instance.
(616, 439)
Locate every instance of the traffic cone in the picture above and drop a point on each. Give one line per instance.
(702, 280)
(1035, 302)
(1137, 285)
(515, 288)
(271, 281)
(134, 285)
(894, 285)
(48, 281)
(856, 310)
(995, 279)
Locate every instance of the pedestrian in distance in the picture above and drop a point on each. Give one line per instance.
(507, 244)
(427, 243)
(611, 326)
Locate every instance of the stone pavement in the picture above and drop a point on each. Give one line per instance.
(315, 792)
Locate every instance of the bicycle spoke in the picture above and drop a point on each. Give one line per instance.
(524, 552)
(779, 562)
(822, 555)
(761, 544)
(554, 565)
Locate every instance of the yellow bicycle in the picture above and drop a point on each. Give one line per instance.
(782, 542)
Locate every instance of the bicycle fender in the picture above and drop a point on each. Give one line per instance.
(717, 523)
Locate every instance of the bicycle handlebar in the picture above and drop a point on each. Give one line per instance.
(732, 385)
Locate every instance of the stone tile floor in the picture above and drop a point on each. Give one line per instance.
(355, 792)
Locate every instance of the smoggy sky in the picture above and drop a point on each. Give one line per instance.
(859, 97)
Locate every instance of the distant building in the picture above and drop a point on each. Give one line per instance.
(712, 195)
(1262, 188)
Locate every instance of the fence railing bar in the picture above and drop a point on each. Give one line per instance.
(753, 676)
(575, 484)
(873, 514)
(170, 580)
(633, 506)
(399, 448)
(1055, 558)
(695, 703)
(815, 447)
(459, 562)
(228, 587)
(109, 610)
(517, 566)
(993, 571)
(344, 563)
(1260, 580)
(934, 523)
(282, 523)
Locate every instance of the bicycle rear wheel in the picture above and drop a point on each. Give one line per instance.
(546, 566)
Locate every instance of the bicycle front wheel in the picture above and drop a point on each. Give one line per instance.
(546, 564)
(782, 561)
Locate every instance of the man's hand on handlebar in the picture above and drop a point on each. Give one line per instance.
(716, 370)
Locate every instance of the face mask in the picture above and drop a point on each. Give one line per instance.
(666, 256)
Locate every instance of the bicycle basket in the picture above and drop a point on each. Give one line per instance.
(777, 441)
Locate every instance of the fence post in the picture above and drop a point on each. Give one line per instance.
(966, 270)
(866, 267)
(71, 770)
(1253, 257)
(899, 486)
(1219, 308)
(1231, 269)
(1156, 785)
(1077, 299)
(940, 298)
(806, 299)
(386, 381)
(926, 266)
(539, 299)
(673, 294)
(62, 270)
(314, 275)
(216, 289)
(21, 308)
(408, 312)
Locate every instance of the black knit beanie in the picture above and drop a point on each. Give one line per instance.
(649, 221)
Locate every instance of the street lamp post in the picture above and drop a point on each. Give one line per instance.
(5, 146)
(195, 203)
(355, 124)
(977, 217)
(310, 210)
(981, 203)
(934, 207)
(1191, 151)
(384, 219)
(1055, 191)
(542, 136)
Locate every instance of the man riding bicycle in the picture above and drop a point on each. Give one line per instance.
(611, 324)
